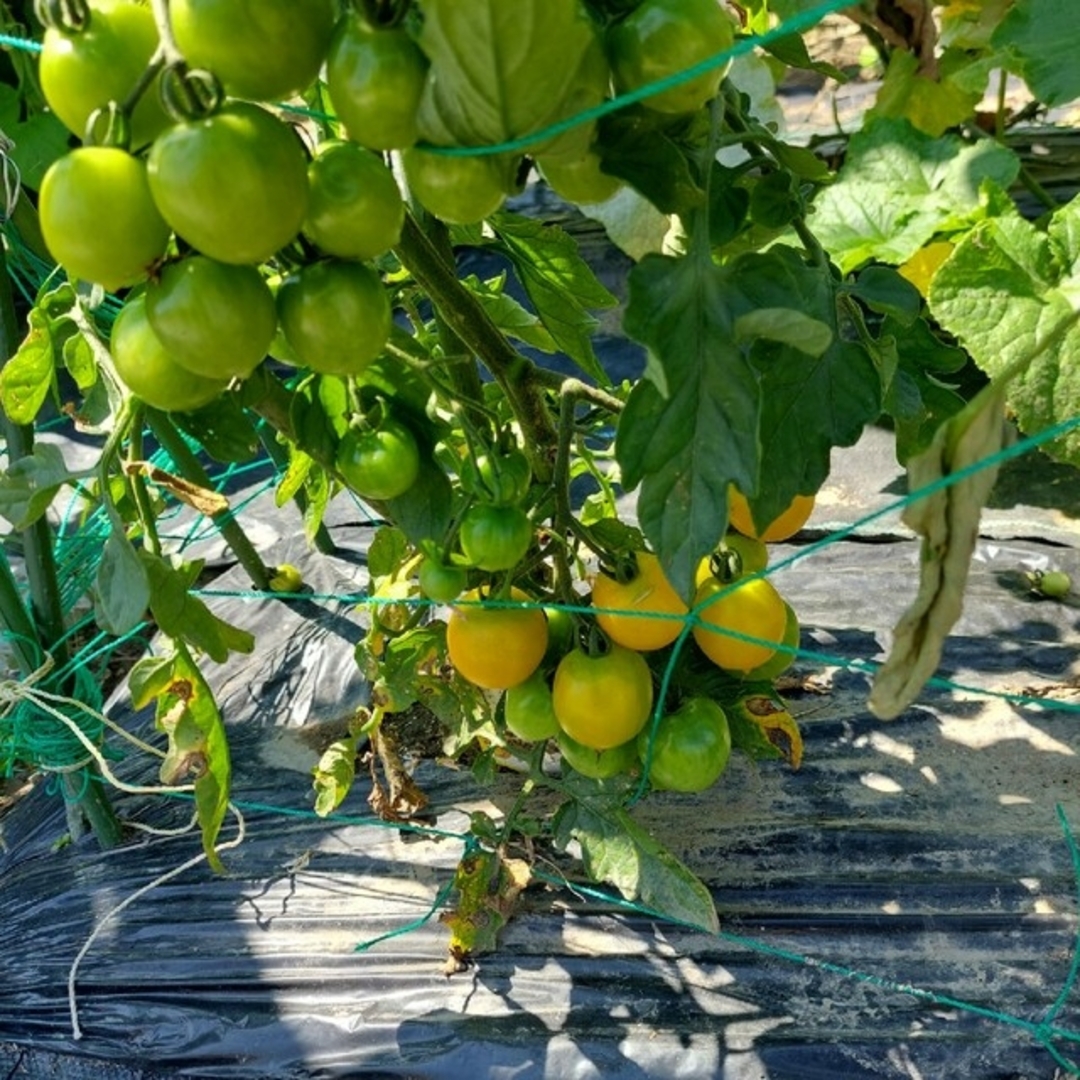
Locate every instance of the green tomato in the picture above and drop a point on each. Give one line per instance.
(460, 190)
(381, 462)
(98, 218)
(233, 185)
(664, 37)
(84, 71)
(148, 370)
(495, 537)
(260, 49)
(529, 713)
(560, 634)
(440, 582)
(375, 78)
(355, 210)
(598, 764)
(502, 479)
(691, 747)
(335, 315)
(579, 181)
(215, 319)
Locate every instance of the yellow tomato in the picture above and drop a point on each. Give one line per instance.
(780, 528)
(649, 592)
(752, 607)
(496, 647)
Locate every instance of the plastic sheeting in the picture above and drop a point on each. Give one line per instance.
(926, 852)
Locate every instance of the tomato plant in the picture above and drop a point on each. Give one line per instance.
(434, 341)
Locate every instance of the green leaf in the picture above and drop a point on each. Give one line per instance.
(189, 698)
(149, 678)
(223, 429)
(38, 140)
(386, 554)
(948, 521)
(559, 283)
(883, 290)
(1010, 294)
(29, 485)
(186, 617)
(691, 427)
(1043, 40)
(121, 587)
(615, 849)
(785, 326)
(899, 187)
(296, 473)
(334, 775)
(635, 146)
(79, 359)
(28, 376)
(426, 509)
(312, 425)
(502, 71)
(318, 490)
(510, 316)
(791, 50)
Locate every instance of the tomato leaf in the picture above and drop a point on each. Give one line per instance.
(223, 429)
(185, 617)
(1043, 39)
(509, 316)
(334, 775)
(29, 485)
(148, 678)
(931, 105)
(425, 510)
(690, 427)
(1009, 293)
(121, 587)
(948, 521)
(501, 71)
(294, 476)
(27, 377)
(386, 554)
(899, 186)
(616, 849)
(559, 283)
(883, 290)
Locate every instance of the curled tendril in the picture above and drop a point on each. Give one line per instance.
(190, 93)
(70, 16)
(108, 126)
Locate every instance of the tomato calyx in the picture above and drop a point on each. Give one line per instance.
(385, 14)
(726, 565)
(190, 93)
(68, 16)
(622, 566)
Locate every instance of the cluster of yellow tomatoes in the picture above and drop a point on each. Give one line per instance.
(594, 693)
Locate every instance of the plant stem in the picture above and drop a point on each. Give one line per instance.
(466, 317)
(189, 466)
(46, 621)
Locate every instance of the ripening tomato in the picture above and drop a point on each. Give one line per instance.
(661, 38)
(259, 49)
(495, 647)
(783, 658)
(98, 218)
(148, 370)
(690, 748)
(355, 210)
(782, 527)
(214, 319)
(85, 70)
(751, 607)
(375, 77)
(233, 185)
(604, 700)
(649, 592)
(379, 462)
(335, 315)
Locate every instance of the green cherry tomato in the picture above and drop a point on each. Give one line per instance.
(604, 700)
(460, 190)
(381, 462)
(663, 37)
(355, 210)
(529, 713)
(375, 78)
(580, 180)
(691, 747)
(215, 319)
(495, 537)
(598, 764)
(233, 185)
(260, 49)
(148, 370)
(335, 315)
(85, 70)
(560, 634)
(440, 582)
(502, 479)
(98, 218)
